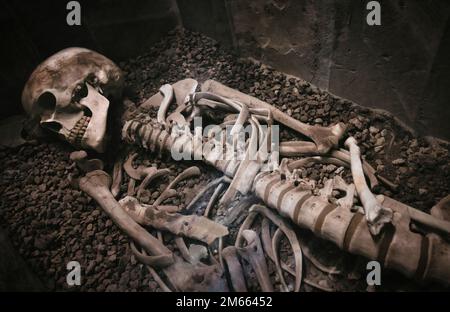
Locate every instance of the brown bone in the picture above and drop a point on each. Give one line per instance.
(253, 253)
(96, 184)
(192, 226)
(234, 268)
(182, 275)
(325, 138)
(397, 247)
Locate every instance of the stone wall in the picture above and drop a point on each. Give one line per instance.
(401, 66)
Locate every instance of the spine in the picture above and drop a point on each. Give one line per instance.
(415, 255)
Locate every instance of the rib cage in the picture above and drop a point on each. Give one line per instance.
(412, 254)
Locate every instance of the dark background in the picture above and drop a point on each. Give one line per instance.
(401, 66)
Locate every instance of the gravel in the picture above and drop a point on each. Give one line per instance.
(51, 222)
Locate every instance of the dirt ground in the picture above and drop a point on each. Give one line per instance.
(51, 222)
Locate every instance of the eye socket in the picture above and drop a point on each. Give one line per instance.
(47, 101)
(52, 126)
(80, 91)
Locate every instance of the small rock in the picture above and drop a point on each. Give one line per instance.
(303, 118)
(155, 195)
(40, 243)
(108, 239)
(330, 168)
(378, 149)
(374, 130)
(422, 191)
(380, 141)
(399, 162)
(356, 122)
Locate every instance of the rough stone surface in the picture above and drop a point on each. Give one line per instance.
(400, 66)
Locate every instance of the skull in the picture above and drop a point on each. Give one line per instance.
(69, 94)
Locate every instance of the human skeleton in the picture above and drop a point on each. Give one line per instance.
(70, 94)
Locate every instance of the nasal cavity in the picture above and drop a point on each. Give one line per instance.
(47, 101)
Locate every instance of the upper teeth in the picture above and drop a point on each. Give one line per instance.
(77, 132)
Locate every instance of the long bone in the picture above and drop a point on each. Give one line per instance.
(85, 164)
(376, 215)
(192, 226)
(291, 236)
(325, 138)
(275, 248)
(140, 172)
(267, 244)
(253, 253)
(296, 148)
(117, 178)
(229, 255)
(152, 173)
(213, 199)
(205, 189)
(167, 92)
(96, 184)
(181, 245)
(398, 247)
(141, 257)
(247, 169)
(169, 191)
(298, 251)
(182, 275)
(432, 221)
(337, 157)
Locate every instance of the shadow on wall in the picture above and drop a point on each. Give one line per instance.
(33, 30)
(401, 66)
